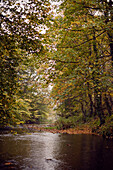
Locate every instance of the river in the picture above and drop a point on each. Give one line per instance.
(47, 151)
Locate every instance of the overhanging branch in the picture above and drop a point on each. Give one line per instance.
(84, 41)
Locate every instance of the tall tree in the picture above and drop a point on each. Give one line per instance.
(83, 53)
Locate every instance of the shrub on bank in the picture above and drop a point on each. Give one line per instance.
(66, 123)
(106, 130)
(94, 124)
(63, 123)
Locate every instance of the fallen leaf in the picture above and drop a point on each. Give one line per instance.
(8, 163)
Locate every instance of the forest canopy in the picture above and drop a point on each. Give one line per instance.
(74, 56)
(81, 45)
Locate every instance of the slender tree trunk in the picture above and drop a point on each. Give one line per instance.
(91, 101)
(109, 108)
(111, 100)
(110, 35)
(91, 105)
(108, 13)
(111, 32)
(97, 92)
(83, 111)
(88, 86)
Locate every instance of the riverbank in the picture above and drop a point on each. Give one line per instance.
(68, 131)
(83, 129)
(80, 129)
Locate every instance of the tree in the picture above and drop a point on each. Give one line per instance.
(31, 93)
(82, 56)
(19, 34)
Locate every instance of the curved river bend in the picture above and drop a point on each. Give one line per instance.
(47, 151)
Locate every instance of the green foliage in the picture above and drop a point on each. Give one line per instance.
(94, 124)
(54, 127)
(63, 123)
(106, 130)
(19, 37)
(75, 57)
(81, 50)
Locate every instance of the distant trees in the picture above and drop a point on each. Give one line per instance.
(31, 97)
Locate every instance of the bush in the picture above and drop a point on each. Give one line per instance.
(94, 124)
(106, 130)
(65, 123)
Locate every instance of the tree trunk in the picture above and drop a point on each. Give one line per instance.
(97, 91)
(108, 105)
(90, 100)
(99, 108)
(109, 18)
(83, 111)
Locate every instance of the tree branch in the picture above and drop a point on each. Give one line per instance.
(84, 41)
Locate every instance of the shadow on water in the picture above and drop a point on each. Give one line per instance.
(47, 151)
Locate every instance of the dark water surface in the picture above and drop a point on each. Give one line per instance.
(47, 151)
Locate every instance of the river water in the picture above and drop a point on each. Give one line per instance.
(47, 151)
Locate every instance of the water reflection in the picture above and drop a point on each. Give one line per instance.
(47, 151)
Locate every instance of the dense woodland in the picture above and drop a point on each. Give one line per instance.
(74, 55)
(21, 96)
